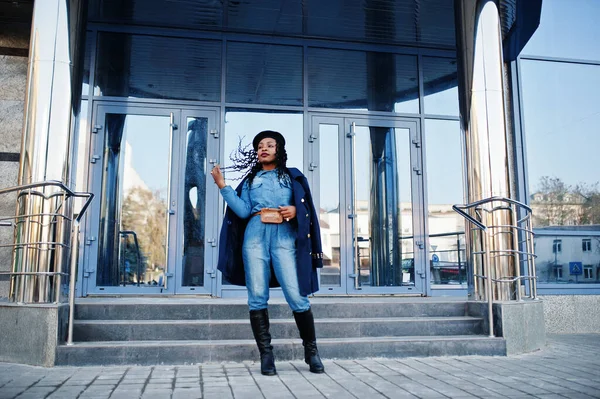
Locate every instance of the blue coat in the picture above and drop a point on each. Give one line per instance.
(309, 254)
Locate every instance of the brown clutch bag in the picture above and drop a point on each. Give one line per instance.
(270, 215)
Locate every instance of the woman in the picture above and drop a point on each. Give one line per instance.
(259, 254)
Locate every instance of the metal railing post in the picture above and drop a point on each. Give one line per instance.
(484, 211)
(52, 217)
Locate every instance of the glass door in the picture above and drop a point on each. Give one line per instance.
(148, 227)
(371, 204)
(198, 254)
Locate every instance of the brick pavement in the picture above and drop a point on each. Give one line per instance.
(569, 367)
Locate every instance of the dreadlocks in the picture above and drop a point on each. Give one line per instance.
(245, 160)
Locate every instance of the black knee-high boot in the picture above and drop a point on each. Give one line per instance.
(306, 326)
(259, 320)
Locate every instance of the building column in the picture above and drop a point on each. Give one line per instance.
(483, 97)
(51, 106)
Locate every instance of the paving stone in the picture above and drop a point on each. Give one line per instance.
(187, 393)
(156, 394)
(10, 393)
(126, 395)
(159, 386)
(66, 392)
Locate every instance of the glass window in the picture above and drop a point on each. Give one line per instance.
(557, 246)
(360, 80)
(272, 16)
(445, 188)
(264, 74)
(158, 67)
(241, 125)
(558, 272)
(568, 29)
(329, 204)
(428, 22)
(562, 131)
(440, 85)
(194, 208)
(80, 157)
(133, 223)
(200, 14)
(87, 60)
(586, 245)
(561, 258)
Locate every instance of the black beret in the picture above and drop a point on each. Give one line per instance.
(267, 134)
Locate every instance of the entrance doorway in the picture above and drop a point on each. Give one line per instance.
(149, 232)
(370, 195)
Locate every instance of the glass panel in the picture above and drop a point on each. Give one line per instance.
(87, 60)
(272, 16)
(329, 199)
(568, 29)
(133, 226)
(158, 67)
(243, 125)
(444, 189)
(440, 84)
(195, 199)
(80, 157)
(264, 74)
(424, 22)
(428, 22)
(199, 14)
(562, 259)
(383, 206)
(363, 81)
(562, 128)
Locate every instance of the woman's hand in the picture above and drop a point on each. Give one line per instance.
(288, 212)
(217, 176)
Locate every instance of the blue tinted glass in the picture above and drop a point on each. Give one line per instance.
(158, 67)
(264, 74)
(89, 48)
(568, 29)
(428, 22)
(273, 16)
(567, 255)
(200, 14)
(362, 80)
(440, 86)
(444, 157)
(244, 124)
(562, 128)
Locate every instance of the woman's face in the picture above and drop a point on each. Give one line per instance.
(266, 150)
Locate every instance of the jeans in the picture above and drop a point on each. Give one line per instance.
(266, 244)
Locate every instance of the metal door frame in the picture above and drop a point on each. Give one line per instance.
(344, 122)
(177, 174)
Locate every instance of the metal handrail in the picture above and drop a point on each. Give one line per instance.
(489, 255)
(26, 189)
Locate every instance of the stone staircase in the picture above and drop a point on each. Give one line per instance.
(152, 331)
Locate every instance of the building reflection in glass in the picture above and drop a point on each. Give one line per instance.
(133, 225)
(195, 198)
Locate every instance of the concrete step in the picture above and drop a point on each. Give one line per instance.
(103, 310)
(193, 352)
(156, 330)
